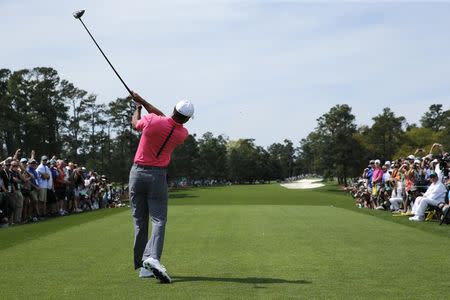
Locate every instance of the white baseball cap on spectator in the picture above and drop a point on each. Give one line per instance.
(44, 158)
(377, 161)
(23, 160)
(411, 157)
(387, 163)
(417, 161)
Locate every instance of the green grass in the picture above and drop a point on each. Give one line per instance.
(243, 242)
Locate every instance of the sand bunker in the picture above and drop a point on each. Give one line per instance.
(303, 184)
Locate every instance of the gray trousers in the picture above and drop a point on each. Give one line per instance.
(148, 198)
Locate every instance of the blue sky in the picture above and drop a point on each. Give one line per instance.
(260, 69)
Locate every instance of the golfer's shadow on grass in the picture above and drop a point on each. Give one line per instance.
(248, 280)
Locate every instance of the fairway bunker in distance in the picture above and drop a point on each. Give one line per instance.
(303, 184)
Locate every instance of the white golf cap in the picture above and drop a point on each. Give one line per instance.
(411, 157)
(377, 161)
(387, 163)
(185, 107)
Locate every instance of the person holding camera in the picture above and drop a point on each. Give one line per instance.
(441, 162)
(367, 175)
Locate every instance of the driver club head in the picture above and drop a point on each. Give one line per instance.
(78, 14)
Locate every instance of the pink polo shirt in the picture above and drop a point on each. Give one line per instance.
(155, 130)
(377, 175)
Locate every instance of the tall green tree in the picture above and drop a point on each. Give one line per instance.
(78, 100)
(434, 118)
(263, 166)
(212, 157)
(243, 158)
(337, 129)
(125, 138)
(185, 160)
(4, 78)
(385, 136)
(51, 111)
(418, 138)
(444, 134)
(309, 159)
(282, 158)
(6, 113)
(331, 149)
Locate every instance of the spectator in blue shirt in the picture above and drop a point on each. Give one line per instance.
(34, 194)
(370, 174)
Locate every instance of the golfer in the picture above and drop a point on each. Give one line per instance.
(148, 183)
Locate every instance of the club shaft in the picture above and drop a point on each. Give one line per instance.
(123, 82)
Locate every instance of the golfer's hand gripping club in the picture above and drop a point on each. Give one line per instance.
(148, 107)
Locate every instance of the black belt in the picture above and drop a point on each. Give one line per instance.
(150, 167)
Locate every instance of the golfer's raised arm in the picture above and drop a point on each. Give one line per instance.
(150, 108)
(136, 116)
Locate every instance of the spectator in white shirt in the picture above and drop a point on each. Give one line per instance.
(386, 175)
(45, 182)
(433, 196)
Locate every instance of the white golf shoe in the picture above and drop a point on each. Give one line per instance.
(144, 273)
(416, 219)
(158, 270)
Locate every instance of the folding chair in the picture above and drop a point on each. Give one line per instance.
(446, 217)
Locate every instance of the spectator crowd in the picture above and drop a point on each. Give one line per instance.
(417, 186)
(32, 190)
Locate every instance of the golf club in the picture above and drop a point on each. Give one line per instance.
(78, 15)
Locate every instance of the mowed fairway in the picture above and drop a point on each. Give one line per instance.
(243, 242)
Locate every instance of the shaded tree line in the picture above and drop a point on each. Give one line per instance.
(42, 112)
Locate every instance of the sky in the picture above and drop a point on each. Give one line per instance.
(253, 69)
